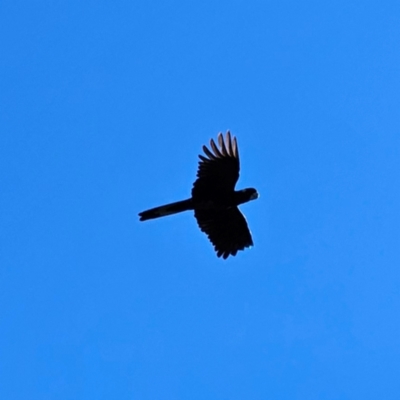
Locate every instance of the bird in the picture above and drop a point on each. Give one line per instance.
(214, 199)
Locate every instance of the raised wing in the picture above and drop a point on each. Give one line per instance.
(219, 171)
(227, 230)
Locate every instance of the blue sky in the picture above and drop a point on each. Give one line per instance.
(104, 109)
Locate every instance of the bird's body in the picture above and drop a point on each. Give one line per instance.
(214, 199)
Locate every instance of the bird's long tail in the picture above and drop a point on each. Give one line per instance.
(167, 209)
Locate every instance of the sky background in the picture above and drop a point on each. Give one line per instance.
(104, 107)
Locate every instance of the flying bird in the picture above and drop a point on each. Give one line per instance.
(215, 200)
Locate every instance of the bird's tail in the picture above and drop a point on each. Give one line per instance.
(167, 209)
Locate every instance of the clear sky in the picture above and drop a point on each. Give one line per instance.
(104, 107)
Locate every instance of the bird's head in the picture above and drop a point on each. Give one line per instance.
(251, 193)
(245, 195)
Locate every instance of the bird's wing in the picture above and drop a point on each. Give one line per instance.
(227, 230)
(218, 172)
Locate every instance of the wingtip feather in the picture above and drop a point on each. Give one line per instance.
(222, 146)
(215, 149)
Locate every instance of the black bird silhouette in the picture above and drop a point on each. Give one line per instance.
(215, 200)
